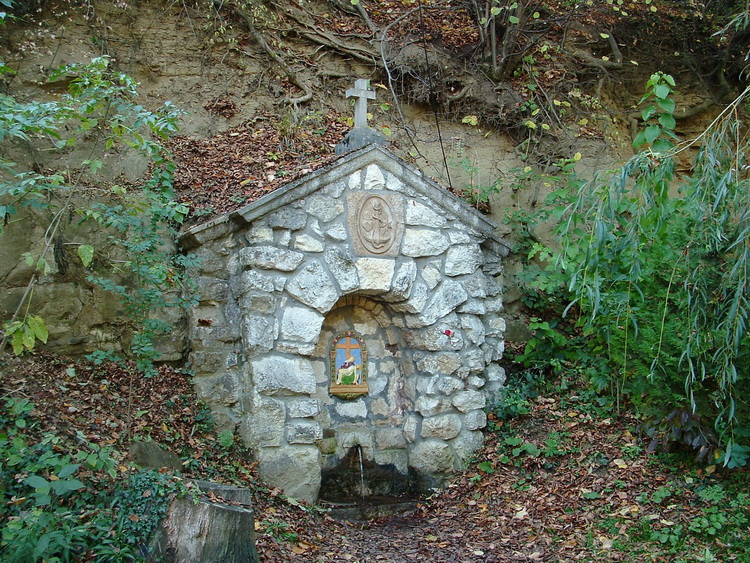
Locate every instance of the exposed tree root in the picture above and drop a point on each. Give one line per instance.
(289, 71)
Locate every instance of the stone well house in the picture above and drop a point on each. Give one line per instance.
(357, 308)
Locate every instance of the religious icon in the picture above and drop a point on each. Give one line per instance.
(376, 225)
(348, 365)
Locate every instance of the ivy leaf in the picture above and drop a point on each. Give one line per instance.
(652, 132)
(86, 254)
(514, 20)
(666, 105)
(667, 121)
(661, 91)
(648, 112)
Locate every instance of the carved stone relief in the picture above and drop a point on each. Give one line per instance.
(376, 223)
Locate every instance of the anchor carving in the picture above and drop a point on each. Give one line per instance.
(376, 225)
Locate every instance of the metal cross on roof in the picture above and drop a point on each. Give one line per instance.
(362, 92)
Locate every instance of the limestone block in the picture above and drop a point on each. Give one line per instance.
(476, 382)
(207, 362)
(221, 388)
(466, 401)
(379, 407)
(264, 427)
(374, 179)
(211, 262)
(314, 287)
(495, 326)
(337, 232)
(295, 348)
(449, 385)
(303, 432)
(270, 258)
(275, 375)
(473, 329)
(212, 289)
(253, 280)
(416, 303)
(375, 274)
(464, 446)
(444, 426)
(423, 242)
(402, 282)
(444, 300)
(259, 334)
(431, 456)
(495, 376)
(411, 427)
(388, 438)
(295, 469)
(473, 307)
(419, 214)
(282, 238)
(395, 457)
(352, 409)
(377, 384)
(463, 259)
(308, 243)
(474, 420)
(494, 305)
(431, 275)
(301, 323)
(474, 360)
(476, 285)
(432, 405)
(445, 363)
(355, 181)
(260, 234)
(260, 302)
(341, 265)
(302, 408)
(335, 189)
(459, 236)
(324, 207)
(348, 438)
(288, 217)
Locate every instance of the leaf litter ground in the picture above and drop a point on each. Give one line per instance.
(570, 481)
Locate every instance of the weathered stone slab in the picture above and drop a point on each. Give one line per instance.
(270, 258)
(402, 282)
(352, 409)
(445, 426)
(431, 456)
(432, 405)
(419, 214)
(294, 469)
(463, 259)
(301, 323)
(309, 243)
(314, 287)
(423, 242)
(324, 207)
(469, 400)
(302, 408)
(341, 265)
(264, 426)
(283, 376)
(303, 432)
(375, 274)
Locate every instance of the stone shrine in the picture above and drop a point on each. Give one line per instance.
(355, 308)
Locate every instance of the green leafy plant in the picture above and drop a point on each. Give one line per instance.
(619, 223)
(138, 265)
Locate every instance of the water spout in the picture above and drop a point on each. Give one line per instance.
(361, 473)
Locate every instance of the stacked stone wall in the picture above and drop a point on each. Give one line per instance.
(274, 293)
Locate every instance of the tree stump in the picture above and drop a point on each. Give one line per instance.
(207, 532)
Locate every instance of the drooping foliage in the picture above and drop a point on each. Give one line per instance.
(658, 266)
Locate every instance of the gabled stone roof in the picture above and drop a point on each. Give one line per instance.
(339, 169)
